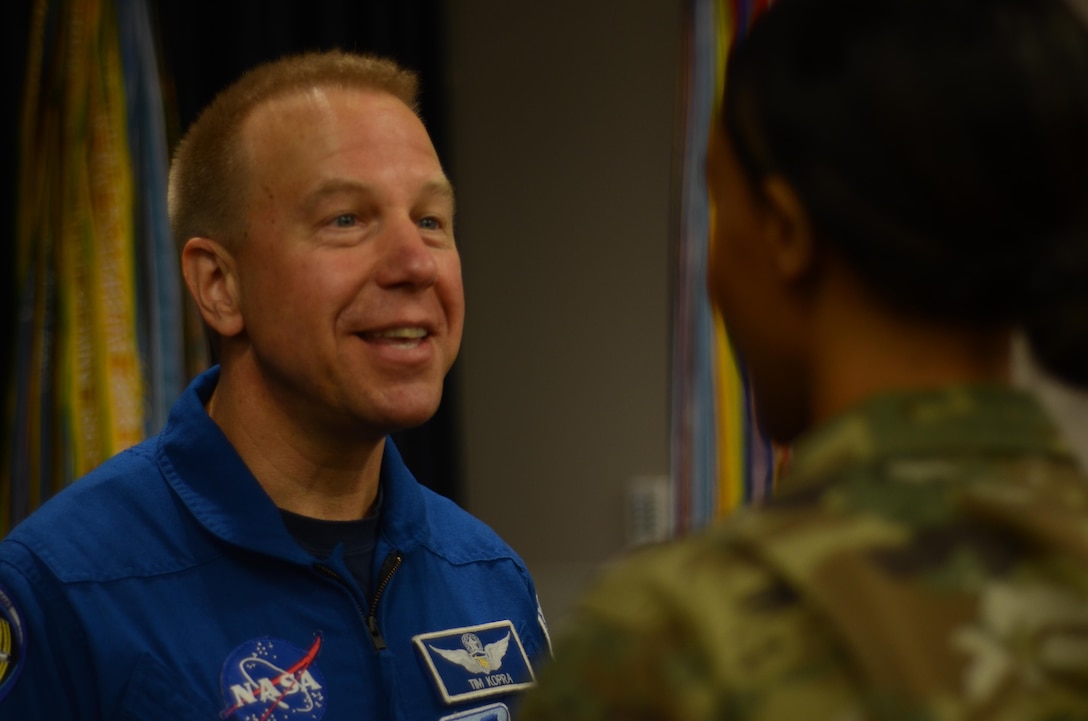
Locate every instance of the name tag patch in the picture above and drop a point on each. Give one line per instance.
(476, 661)
(494, 712)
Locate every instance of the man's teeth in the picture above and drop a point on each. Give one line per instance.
(405, 333)
(400, 337)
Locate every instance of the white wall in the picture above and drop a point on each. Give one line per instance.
(563, 118)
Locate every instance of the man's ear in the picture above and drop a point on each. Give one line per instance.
(788, 227)
(209, 271)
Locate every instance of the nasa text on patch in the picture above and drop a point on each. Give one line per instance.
(12, 643)
(269, 679)
(476, 661)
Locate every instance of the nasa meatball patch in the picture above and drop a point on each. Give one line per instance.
(12, 643)
(268, 679)
(476, 661)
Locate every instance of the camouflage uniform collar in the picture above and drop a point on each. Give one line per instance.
(952, 420)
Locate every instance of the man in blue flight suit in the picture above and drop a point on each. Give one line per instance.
(268, 556)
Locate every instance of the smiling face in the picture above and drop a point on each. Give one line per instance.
(348, 279)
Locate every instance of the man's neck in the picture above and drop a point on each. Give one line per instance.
(304, 471)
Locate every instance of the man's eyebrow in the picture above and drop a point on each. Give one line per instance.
(337, 187)
(440, 187)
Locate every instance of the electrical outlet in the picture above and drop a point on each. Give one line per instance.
(648, 512)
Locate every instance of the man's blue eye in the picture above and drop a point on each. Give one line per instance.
(430, 223)
(344, 221)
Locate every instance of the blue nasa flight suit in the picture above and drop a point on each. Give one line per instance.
(164, 585)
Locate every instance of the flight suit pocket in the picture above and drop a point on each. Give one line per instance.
(155, 694)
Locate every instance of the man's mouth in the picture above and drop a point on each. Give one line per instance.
(397, 337)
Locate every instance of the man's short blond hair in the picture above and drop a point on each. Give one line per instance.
(209, 183)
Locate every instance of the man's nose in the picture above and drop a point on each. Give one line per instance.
(407, 260)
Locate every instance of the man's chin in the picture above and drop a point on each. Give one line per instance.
(405, 416)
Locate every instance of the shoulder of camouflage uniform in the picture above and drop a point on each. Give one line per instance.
(688, 630)
(779, 614)
(956, 588)
(953, 419)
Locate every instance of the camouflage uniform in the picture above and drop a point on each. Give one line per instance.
(925, 557)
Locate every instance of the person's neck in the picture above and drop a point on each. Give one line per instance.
(303, 470)
(866, 349)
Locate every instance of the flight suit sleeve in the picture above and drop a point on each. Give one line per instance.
(45, 668)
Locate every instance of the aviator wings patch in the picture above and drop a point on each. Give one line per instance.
(475, 656)
(476, 661)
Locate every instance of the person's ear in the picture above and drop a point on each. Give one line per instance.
(210, 273)
(788, 228)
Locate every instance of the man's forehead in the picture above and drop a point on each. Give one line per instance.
(308, 118)
(437, 187)
(334, 141)
(308, 105)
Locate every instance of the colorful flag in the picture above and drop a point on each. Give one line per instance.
(98, 322)
(720, 460)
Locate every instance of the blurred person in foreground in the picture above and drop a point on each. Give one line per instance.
(268, 556)
(897, 186)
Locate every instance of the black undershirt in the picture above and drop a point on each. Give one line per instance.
(320, 538)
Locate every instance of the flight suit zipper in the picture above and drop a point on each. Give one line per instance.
(389, 567)
(370, 616)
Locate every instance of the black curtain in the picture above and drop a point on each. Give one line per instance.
(206, 44)
(14, 28)
(209, 43)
